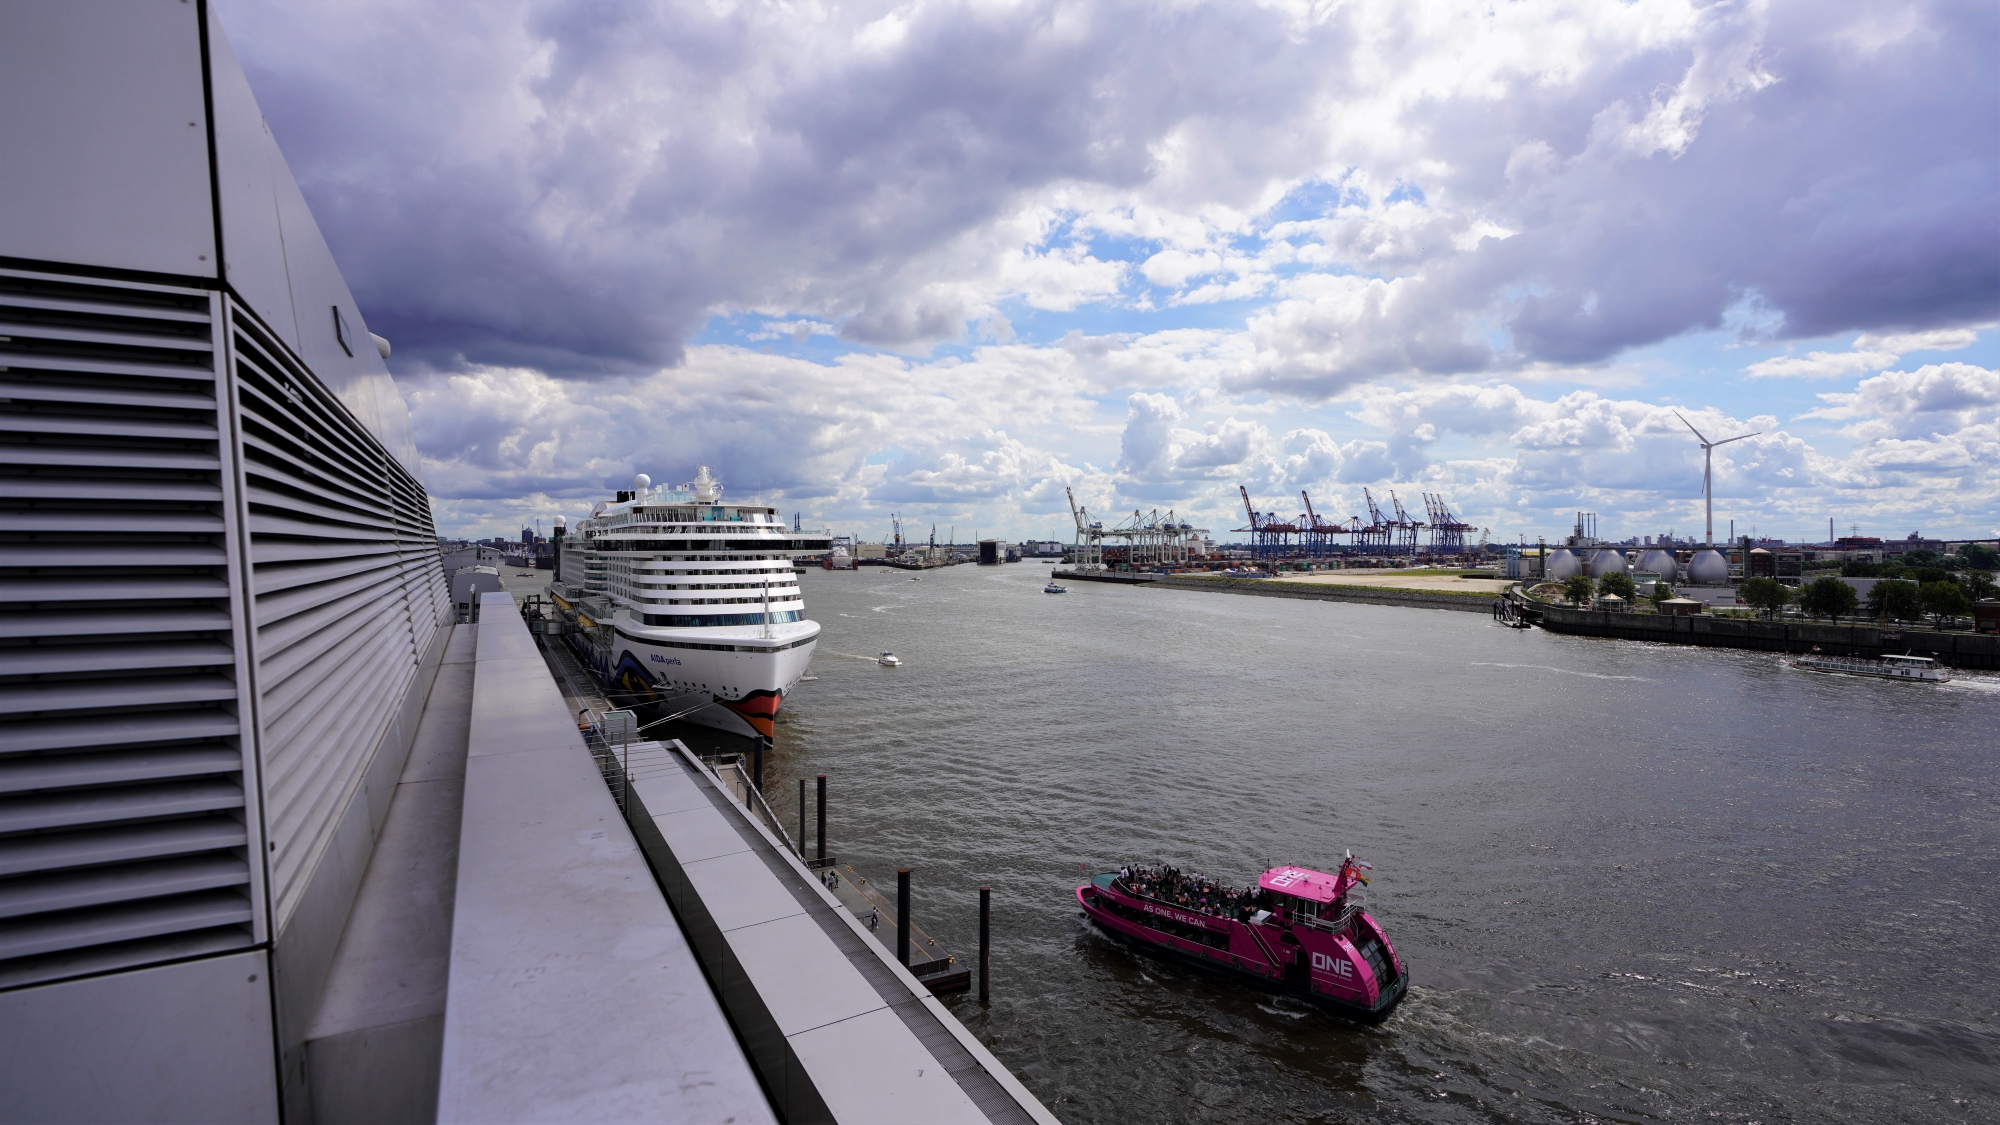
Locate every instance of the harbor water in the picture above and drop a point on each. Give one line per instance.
(1633, 882)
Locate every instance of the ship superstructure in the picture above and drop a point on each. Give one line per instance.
(681, 599)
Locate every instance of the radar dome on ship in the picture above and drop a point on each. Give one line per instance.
(1606, 562)
(1561, 565)
(1708, 568)
(1659, 562)
(641, 483)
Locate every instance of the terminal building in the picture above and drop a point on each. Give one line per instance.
(281, 839)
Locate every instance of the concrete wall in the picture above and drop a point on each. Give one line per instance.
(1958, 649)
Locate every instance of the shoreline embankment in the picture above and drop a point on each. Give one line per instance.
(1367, 595)
(1958, 649)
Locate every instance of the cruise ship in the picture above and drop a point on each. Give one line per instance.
(683, 600)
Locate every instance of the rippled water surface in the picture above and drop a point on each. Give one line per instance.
(1633, 882)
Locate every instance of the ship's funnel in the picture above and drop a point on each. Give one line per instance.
(706, 490)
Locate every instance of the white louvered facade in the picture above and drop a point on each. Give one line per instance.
(222, 605)
(216, 592)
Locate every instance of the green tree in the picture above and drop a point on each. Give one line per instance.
(1895, 599)
(1617, 583)
(1979, 556)
(1978, 585)
(1661, 592)
(1944, 599)
(1922, 556)
(1765, 594)
(1577, 588)
(1829, 597)
(1855, 568)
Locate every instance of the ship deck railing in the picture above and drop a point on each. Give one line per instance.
(1336, 924)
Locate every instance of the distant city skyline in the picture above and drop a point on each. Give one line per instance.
(948, 260)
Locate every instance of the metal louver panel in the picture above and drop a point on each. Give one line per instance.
(126, 830)
(347, 588)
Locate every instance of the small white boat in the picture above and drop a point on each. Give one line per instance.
(888, 660)
(1055, 588)
(1911, 669)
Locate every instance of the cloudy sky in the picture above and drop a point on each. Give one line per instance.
(947, 259)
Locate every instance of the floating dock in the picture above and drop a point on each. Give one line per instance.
(941, 972)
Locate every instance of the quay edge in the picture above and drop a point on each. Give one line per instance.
(1957, 649)
(1279, 588)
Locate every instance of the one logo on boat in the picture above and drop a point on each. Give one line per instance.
(658, 659)
(1338, 966)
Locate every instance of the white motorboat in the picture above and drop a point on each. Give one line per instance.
(888, 660)
(1055, 588)
(1910, 669)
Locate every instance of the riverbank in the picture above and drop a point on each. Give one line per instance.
(1957, 649)
(1475, 601)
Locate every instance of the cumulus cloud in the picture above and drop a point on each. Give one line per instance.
(1821, 365)
(1155, 450)
(1933, 401)
(1393, 209)
(577, 187)
(1871, 353)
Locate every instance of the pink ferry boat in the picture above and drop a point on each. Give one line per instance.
(1300, 933)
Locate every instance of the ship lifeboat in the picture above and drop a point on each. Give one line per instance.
(1299, 932)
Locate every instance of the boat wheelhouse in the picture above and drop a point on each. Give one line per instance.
(1300, 932)
(683, 600)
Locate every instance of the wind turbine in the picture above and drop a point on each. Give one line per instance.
(1708, 469)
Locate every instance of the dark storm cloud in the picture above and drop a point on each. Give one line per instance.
(578, 187)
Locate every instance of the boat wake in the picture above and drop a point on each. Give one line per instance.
(850, 656)
(1564, 671)
(1962, 683)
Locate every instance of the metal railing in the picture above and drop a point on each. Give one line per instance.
(729, 770)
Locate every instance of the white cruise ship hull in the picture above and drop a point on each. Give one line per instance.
(745, 677)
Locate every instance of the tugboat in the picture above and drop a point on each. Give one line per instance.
(1300, 933)
(1909, 669)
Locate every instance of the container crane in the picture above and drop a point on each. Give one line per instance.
(1319, 533)
(1089, 553)
(1374, 536)
(1447, 530)
(1268, 535)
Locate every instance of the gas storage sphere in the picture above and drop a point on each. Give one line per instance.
(1708, 568)
(1607, 562)
(1562, 564)
(1660, 563)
